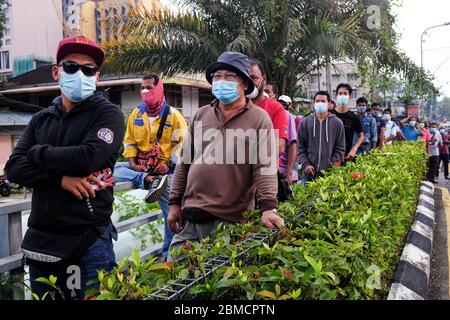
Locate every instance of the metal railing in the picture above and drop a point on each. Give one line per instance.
(179, 288)
(13, 212)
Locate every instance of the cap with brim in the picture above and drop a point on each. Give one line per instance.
(81, 45)
(285, 99)
(235, 62)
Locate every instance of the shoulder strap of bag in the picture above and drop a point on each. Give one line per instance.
(163, 122)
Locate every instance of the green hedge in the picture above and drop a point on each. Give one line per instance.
(345, 245)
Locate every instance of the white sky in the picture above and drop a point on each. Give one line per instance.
(414, 16)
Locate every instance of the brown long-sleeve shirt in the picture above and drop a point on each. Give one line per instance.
(231, 160)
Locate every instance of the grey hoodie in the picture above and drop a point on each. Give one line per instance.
(321, 144)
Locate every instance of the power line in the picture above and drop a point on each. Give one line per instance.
(437, 48)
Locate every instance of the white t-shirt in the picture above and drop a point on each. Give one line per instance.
(151, 120)
(435, 142)
(391, 130)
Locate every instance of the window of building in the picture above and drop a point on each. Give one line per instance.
(315, 78)
(336, 77)
(124, 10)
(173, 95)
(106, 13)
(107, 31)
(7, 31)
(334, 94)
(355, 94)
(4, 60)
(115, 11)
(97, 14)
(8, 42)
(352, 77)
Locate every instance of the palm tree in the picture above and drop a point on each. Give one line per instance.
(290, 37)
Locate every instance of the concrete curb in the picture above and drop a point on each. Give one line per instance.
(412, 275)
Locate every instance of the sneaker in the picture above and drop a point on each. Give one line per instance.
(156, 188)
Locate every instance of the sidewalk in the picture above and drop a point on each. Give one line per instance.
(439, 286)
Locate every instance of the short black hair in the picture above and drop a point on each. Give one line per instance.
(387, 110)
(274, 87)
(362, 100)
(375, 104)
(433, 124)
(346, 86)
(150, 76)
(322, 93)
(333, 103)
(258, 63)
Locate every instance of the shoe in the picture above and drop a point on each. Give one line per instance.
(156, 188)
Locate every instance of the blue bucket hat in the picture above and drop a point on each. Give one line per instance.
(233, 61)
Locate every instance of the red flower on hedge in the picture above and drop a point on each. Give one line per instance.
(357, 175)
(288, 273)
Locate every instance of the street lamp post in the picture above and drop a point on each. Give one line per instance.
(421, 49)
(421, 39)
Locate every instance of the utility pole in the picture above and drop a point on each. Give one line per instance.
(429, 106)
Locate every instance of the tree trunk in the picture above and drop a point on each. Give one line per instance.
(328, 71)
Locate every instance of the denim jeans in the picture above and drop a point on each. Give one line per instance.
(305, 179)
(364, 149)
(124, 173)
(99, 256)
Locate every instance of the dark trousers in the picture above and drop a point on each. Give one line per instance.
(433, 167)
(99, 256)
(444, 159)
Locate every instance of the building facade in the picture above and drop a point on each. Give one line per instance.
(339, 73)
(29, 39)
(99, 19)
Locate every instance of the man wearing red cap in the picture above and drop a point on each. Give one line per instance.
(67, 155)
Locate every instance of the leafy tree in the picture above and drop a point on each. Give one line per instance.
(291, 37)
(443, 109)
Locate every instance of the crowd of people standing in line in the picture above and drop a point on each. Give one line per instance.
(68, 155)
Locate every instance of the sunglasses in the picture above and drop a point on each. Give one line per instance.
(71, 67)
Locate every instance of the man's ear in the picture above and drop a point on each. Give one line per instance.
(98, 78)
(55, 73)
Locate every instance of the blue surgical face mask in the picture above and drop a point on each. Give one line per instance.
(343, 100)
(320, 107)
(433, 130)
(442, 131)
(412, 123)
(226, 91)
(77, 87)
(386, 117)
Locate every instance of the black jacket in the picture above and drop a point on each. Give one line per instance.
(55, 143)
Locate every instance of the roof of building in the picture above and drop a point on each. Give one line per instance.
(19, 106)
(9, 119)
(41, 80)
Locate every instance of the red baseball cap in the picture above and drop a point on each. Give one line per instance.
(80, 44)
